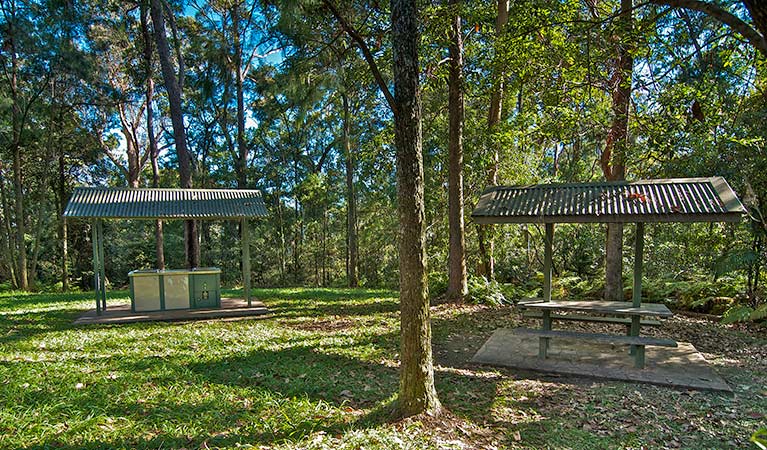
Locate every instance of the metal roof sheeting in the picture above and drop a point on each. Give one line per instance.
(671, 200)
(124, 203)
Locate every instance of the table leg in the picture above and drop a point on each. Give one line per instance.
(634, 331)
(638, 356)
(543, 343)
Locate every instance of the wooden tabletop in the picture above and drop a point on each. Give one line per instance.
(603, 307)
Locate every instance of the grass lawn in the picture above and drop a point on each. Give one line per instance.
(321, 372)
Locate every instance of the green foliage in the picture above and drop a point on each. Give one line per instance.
(760, 438)
(760, 313)
(738, 313)
(437, 284)
(484, 292)
(320, 373)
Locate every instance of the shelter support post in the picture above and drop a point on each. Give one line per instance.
(96, 271)
(543, 343)
(637, 351)
(246, 259)
(102, 264)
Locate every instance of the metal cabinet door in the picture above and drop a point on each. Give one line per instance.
(206, 291)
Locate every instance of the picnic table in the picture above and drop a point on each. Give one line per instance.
(626, 313)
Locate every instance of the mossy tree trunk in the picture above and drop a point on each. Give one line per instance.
(417, 393)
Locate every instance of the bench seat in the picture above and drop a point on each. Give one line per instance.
(575, 318)
(598, 337)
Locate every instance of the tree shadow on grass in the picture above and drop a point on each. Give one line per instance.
(15, 301)
(262, 397)
(298, 303)
(259, 396)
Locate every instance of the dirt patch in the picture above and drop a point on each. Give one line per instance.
(329, 325)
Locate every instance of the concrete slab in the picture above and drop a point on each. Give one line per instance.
(121, 313)
(680, 367)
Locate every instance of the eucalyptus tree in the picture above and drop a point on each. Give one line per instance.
(457, 283)
(25, 79)
(172, 83)
(45, 75)
(417, 393)
(495, 112)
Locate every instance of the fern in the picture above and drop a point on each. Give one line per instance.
(735, 260)
(759, 313)
(738, 313)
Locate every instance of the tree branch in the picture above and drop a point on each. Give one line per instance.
(366, 53)
(717, 12)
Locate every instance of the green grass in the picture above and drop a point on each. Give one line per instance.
(320, 372)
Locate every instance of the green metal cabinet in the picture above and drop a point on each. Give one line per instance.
(161, 290)
(205, 290)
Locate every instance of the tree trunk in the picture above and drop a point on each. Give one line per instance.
(18, 179)
(613, 158)
(154, 151)
(192, 247)
(417, 393)
(486, 243)
(241, 164)
(758, 10)
(457, 285)
(9, 254)
(63, 231)
(352, 251)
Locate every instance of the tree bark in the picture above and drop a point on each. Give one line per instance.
(417, 393)
(18, 179)
(154, 152)
(63, 229)
(457, 284)
(758, 10)
(613, 158)
(351, 201)
(486, 243)
(241, 164)
(10, 253)
(192, 246)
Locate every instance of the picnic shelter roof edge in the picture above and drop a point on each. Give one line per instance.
(164, 203)
(663, 200)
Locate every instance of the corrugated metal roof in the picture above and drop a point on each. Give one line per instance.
(124, 203)
(671, 200)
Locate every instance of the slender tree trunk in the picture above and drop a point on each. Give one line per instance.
(352, 250)
(18, 179)
(41, 225)
(484, 232)
(192, 246)
(417, 393)
(281, 228)
(154, 151)
(613, 158)
(242, 149)
(9, 254)
(758, 10)
(457, 285)
(63, 231)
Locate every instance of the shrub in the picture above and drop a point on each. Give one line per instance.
(482, 291)
(437, 284)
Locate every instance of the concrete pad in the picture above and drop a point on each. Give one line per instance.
(121, 313)
(680, 367)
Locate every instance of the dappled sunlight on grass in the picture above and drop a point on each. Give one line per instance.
(320, 372)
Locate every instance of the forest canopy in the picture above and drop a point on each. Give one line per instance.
(280, 96)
